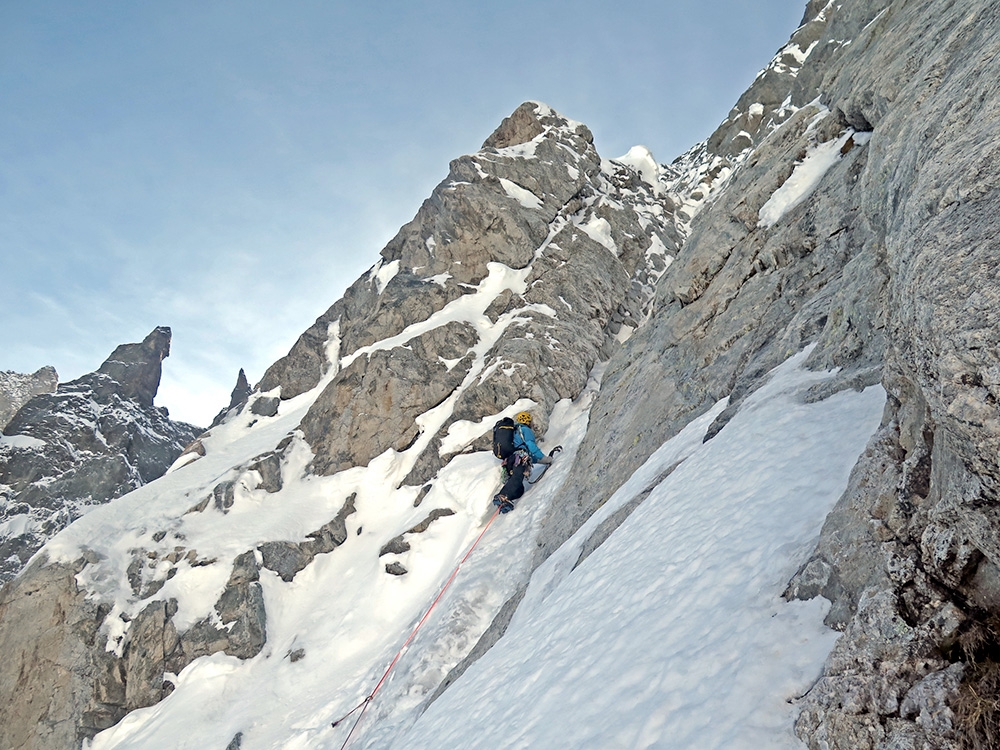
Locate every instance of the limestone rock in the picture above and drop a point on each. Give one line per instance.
(398, 544)
(691, 289)
(50, 667)
(265, 406)
(372, 404)
(144, 660)
(521, 127)
(928, 701)
(269, 468)
(886, 267)
(520, 201)
(883, 667)
(734, 304)
(395, 569)
(241, 607)
(848, 559)
(288, 558)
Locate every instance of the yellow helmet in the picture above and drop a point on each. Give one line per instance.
(523, 417)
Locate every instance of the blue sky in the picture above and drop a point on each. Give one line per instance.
(229, 168)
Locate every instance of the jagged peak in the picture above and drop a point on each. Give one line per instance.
(137, 367)
(237, 399)
(531, 120)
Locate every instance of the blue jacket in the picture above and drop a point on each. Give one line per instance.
(524, 438)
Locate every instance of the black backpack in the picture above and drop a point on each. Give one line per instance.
(503, 437)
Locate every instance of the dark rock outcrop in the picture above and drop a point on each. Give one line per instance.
(137, 367)
(92, 440)
(237, 399)
(288, 558)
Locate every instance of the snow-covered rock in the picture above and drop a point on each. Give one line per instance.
(529, 301)
(91, 440)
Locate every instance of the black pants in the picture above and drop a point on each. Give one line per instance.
(517, 465)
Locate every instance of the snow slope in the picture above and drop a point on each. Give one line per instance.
(343, 611)
(342, 614)
(673, 633)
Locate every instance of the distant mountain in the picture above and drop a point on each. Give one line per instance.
(16, 388)
(84, 443)
(772, 366)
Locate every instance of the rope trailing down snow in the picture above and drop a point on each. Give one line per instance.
(363, 705)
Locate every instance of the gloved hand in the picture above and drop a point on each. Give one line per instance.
(545, 460)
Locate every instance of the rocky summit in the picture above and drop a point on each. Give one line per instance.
(82, 444)
(829, 253)
(553, 254)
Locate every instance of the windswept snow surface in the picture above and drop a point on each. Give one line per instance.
(522, 195)
(344, 611)
(383, 273)
(673, 633)
(599, 230)
(21, 441)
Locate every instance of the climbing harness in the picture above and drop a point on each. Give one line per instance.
(363, 705)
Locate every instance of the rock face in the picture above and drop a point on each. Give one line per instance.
(888, 266)
(17, 389)
(91, 440)
(53, 702)
(67, 688)
(137, 367)
(590, 239)
(520, 273)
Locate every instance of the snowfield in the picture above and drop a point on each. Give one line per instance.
(672, 634)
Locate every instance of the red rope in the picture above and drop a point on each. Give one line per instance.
(371, 695)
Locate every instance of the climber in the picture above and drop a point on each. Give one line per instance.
(514, 442)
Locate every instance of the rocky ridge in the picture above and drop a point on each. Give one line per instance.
(588, 238)
(91, 440)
